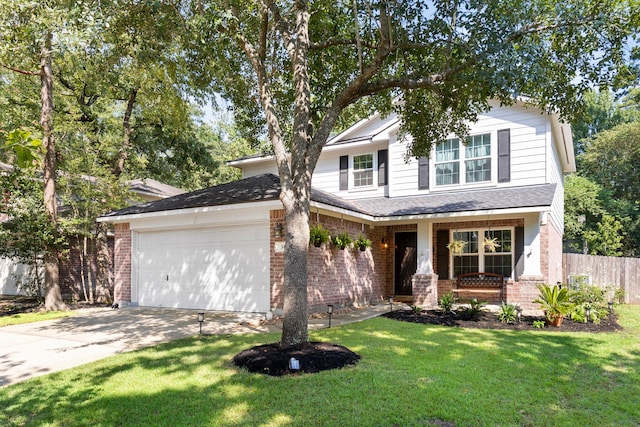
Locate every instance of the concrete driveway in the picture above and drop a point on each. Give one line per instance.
(34, 349)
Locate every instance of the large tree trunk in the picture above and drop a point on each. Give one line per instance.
(295, 322)
(103, 288)
(53, 296)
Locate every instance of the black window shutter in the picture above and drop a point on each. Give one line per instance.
(423, 173)
(519, 252)
(344, 172)
(383, 174)
(442, 261)
(504, 155)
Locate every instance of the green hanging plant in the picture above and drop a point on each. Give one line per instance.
(342, 240)
(490, 245)
(318, 235)
(456, 246)
(362, 242)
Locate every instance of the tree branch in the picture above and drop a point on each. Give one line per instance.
(20, 71)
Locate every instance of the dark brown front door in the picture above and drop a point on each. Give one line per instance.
(406, 261)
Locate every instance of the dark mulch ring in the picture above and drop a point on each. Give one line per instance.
(489, 320)
(10, 305)
(313, 357)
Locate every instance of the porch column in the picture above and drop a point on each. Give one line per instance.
(425, 282)
(425, 247)
(532, 246)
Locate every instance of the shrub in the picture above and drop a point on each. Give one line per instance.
(592, 297)
(554, 301)
(538, 324)
(474, 309)
(446, 302)
(416, 309)
(508, 313)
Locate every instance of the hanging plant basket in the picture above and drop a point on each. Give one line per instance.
(318, 235)
(341, 240)
(490, 245)
(456, 247)
(362, 242)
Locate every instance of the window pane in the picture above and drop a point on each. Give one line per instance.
(478, 146)
(478, 170)
(364, 161)
(448, 150)
(465, 264)
(448, 173)
(363, 178)
(471, 237)
(503, 238)
(500, 264)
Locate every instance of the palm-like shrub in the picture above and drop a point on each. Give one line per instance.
(555, 301)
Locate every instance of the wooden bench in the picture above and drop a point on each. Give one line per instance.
(479, 283)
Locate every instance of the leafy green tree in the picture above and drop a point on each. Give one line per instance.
(583, 207)
(607, 238)
(292, 70)
(611, 160)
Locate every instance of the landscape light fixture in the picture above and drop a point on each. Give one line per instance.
(201, 320)
(519, 313)
(391, 303)
(610, 304)
(330, 312)
(587, 314)
(294, 364)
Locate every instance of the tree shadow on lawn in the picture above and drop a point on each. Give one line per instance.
(409, 375)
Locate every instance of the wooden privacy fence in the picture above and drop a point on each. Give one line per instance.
(603, 271)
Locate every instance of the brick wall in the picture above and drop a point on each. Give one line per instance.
(339, 277)
(122, 261)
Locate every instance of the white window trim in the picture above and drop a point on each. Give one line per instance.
(481, 251)
(352, 171)
(462, 169)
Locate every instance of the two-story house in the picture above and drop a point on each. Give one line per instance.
(221, 248)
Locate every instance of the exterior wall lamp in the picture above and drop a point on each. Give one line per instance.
(277, 230)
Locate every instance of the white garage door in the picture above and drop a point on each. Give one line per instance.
(222, 268)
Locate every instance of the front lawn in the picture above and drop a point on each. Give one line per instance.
(409, 375)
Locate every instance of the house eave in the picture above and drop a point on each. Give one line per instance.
(123, 219)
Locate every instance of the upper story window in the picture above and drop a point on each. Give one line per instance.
(460, 164)
(363, 170)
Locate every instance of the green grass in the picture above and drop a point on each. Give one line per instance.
(409, 375)
(17, 319)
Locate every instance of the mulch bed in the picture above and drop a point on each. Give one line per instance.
(489, 320)
(313, 357)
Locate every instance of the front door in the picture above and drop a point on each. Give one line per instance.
(406, 261)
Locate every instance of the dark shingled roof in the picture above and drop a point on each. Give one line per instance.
(253, 189)
(267, 187)
(462, 201)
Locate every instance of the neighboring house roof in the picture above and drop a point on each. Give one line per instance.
(267, 187)
(151, 187)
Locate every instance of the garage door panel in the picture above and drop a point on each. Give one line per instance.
(216, 269)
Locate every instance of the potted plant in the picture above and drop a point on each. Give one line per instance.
(490, 245)
(555, 302)
(342, 240)
(362, 242)
(456, 246)
(318, 235)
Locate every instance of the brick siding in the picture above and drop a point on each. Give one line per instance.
(122, 260)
